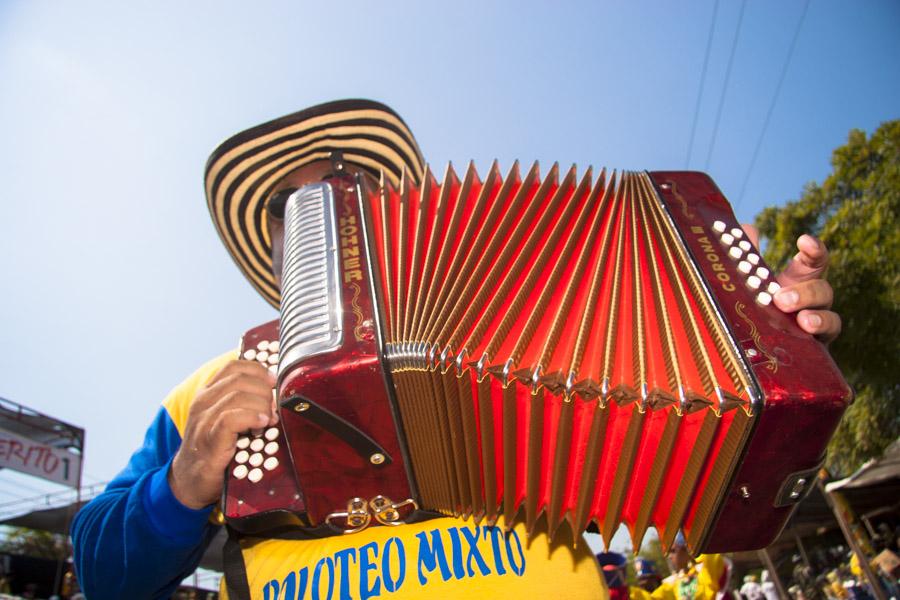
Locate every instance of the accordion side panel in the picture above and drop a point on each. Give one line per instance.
(794, 380)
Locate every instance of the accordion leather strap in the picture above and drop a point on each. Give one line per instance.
(235, 570)
(354, 437)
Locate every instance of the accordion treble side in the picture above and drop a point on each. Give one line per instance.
(586, 352)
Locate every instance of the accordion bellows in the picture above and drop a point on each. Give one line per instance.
(557, 327)
(587, 351)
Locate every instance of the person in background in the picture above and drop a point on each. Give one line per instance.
(751, 590)
(768, 586)
(646, 573)
(706, 577)
(614, 567)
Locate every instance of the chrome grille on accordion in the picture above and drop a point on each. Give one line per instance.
(589, 353)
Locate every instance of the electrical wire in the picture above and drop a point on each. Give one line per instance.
(734, 43)
(781, 78)
(709, 39)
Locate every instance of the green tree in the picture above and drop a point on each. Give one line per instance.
(32, 542)
(856, 212)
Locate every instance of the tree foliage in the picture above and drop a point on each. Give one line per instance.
(35, 543)
(856, 212)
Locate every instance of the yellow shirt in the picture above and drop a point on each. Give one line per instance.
(440, 558)
(700, 582)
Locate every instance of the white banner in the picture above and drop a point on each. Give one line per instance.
(21, 454)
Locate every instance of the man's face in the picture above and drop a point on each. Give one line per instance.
(311, 173)
(679, 558)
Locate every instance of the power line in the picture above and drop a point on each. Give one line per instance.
(734, 43)
(709, 39)
(781, 78)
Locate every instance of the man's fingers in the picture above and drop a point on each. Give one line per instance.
(824, 324)
(253, 380)
(815, 293)
(752, 233)
(809, 263)
(237, 367)
(228, 424)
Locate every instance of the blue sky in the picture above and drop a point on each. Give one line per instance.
(114, 284)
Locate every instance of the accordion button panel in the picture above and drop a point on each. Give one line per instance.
(719, 226)
(745, 245)
(745, 267)
(256, 460)
(762, 273)
(263, 345)
(240, 471)
(774, 286)
(273, 359)
(271, 433)
(271, 448)
(257, 445)
(753, 282)
(250, 354)
(255, 475)
(243, 442)
(270, 463)
(764, 298)
(737, 232)
(242, 457)
(753, 259)
(262, 356)
(735, 252)
(727, 239)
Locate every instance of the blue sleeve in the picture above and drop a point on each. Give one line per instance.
(136, 540)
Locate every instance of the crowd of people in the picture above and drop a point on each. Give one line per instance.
(824, 573)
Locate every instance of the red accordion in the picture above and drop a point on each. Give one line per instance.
(586, 352)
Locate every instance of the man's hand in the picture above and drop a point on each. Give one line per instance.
(238, 398)
(803, 290)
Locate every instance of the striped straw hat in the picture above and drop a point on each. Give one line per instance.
(245, 169)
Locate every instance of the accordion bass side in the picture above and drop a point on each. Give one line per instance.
(586, 352)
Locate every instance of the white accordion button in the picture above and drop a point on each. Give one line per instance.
(753, 258)
(240, 471)
(262, 356)
(243, 442)
(727, 239)
(735, 252)
(270, 463)
(762, 273)
(242, 456)
(256, 460)
(764, 298)
(719, 226)
(271, 448)
(271, 433)
(773, 287)
(263, 345)
(737, 232)
(744, 267)
(273, 369)
(754, 282)
(249, 354)
(745, 245)
(255, 475)
(257, 445)
(273, 359)
(274, 346)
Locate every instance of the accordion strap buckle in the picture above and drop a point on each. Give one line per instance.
(355, 518)
(359, 514)
(387, 512)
